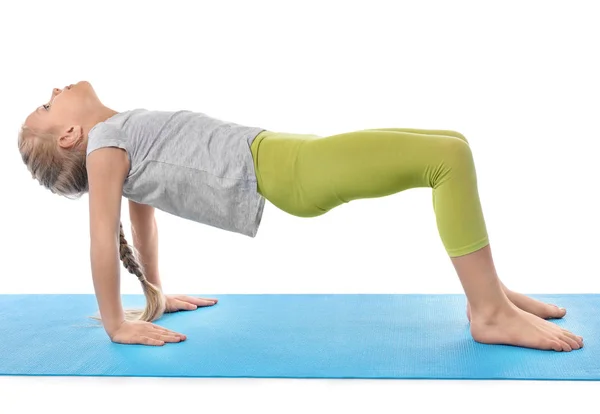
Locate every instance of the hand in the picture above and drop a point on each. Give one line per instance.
(145, 333)
(181, 302)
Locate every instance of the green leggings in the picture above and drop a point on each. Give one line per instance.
(307, 175)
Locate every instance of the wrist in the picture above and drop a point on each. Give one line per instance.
(112, 326)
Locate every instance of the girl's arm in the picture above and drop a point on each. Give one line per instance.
(107, 169)
(145, 239)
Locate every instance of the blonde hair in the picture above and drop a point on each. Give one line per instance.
(63, 172)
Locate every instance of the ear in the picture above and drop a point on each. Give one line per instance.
(70, 136)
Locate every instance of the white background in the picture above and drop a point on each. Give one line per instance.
(520, 79)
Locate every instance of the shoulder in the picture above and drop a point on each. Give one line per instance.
(107, 148)
(110, 164)
(104, 135)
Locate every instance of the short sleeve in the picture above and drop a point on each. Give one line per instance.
(103, 135)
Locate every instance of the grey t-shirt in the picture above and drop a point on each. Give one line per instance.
(188, 164)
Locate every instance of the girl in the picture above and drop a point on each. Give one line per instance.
(220, 173)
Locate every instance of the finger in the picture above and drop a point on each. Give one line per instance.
(151, 341)
(167, 331)
(166, 337)
(183, 305)
(162, 330)
(201, 301)
(181, 337)
(198, 301)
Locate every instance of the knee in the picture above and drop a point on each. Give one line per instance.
(459, 136)
(457, 151)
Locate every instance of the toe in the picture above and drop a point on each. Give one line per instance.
(557, 312)
(565, 346)
(574, 337)
(555, 345)
(570, 341)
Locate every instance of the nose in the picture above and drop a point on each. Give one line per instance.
(55, 92)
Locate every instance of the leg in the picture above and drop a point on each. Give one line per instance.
(441, 132)
(507, 325)
(366, 164)
(543, 310)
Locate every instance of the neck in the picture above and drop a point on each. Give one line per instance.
(102, 115)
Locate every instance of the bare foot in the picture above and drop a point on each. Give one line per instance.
(514, 326)
(533, 306)
(540, 309)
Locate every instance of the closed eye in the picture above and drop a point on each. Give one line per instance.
(46, 106)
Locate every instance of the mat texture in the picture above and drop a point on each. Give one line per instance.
(293, 336)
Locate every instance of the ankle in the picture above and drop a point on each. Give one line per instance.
(490, 312)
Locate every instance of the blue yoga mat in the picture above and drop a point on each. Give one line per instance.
(291, 336)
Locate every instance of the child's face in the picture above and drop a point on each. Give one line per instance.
(70, 110)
